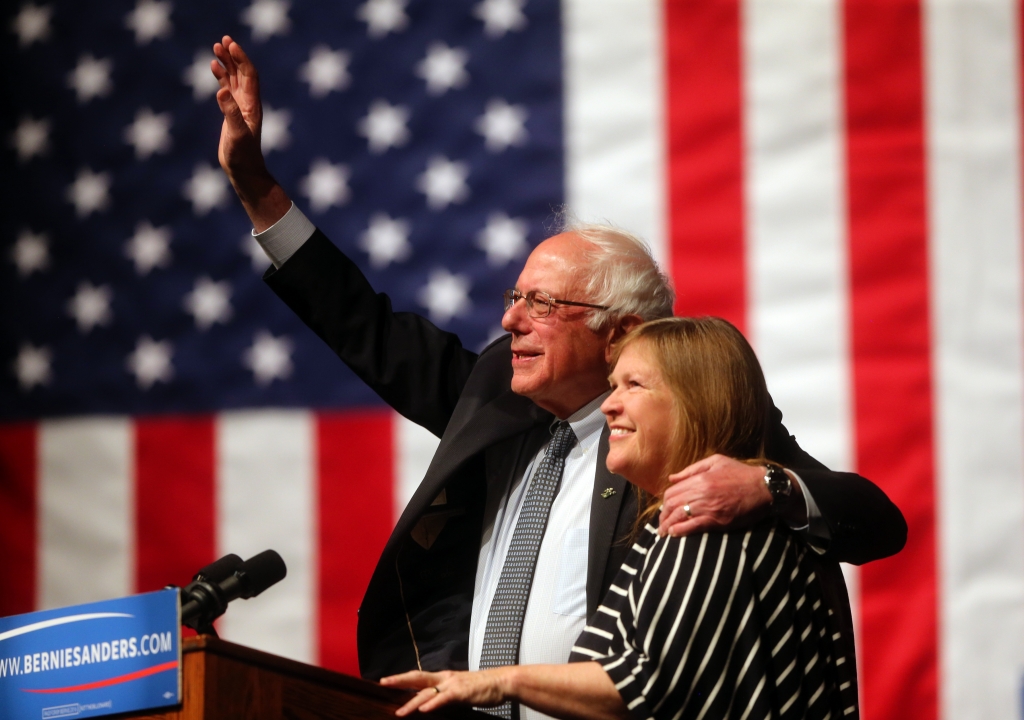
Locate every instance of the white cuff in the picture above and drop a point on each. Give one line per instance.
(816, 526)
(282, 239)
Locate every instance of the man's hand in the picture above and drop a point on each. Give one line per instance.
(482, 689)
(721, 494)
(239, 150)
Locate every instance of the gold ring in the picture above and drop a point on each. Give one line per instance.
(686, 509)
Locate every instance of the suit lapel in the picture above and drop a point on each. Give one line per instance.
(606, 503)
(504, 417)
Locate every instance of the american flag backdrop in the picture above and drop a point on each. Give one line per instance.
(840, 179)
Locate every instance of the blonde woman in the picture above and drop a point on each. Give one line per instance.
(745, 624)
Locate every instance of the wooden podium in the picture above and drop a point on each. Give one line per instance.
(224, 681)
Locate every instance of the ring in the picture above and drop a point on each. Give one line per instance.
(686, 509)
(437, 689)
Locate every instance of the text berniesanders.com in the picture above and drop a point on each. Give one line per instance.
(85, 654)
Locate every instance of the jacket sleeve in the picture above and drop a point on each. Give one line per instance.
(415, 367)
(863, 522)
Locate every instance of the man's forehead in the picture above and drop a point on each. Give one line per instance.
(556, 265)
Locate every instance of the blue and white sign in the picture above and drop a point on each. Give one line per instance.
(89, 660)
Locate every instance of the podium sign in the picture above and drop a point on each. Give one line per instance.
(90, 660)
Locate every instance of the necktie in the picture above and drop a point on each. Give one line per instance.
(505, 619)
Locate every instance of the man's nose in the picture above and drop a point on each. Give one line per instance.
(516, 319)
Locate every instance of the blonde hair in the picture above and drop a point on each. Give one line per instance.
(720, 396)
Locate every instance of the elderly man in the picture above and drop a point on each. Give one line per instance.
(515, 532)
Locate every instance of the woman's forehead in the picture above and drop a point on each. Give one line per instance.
(637, 356)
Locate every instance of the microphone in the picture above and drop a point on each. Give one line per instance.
(206, 598)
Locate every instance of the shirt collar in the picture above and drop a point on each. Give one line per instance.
(588, 422)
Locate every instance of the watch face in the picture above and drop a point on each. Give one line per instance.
(778, 481)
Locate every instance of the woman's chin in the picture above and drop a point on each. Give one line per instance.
(618, 465)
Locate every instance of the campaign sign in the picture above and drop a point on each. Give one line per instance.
(88, 660)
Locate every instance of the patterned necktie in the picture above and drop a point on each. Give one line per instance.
(505, 619)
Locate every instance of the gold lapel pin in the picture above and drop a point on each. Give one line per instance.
(607, 493)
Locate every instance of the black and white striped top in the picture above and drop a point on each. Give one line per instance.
(722, 625)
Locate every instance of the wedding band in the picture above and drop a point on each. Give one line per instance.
(437, 689)
(686, 509)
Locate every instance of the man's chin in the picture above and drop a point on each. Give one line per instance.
(523, 384)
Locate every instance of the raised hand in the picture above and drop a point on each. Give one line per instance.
(239, 150)
(718, 493)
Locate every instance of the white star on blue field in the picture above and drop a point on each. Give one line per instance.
(424, 138)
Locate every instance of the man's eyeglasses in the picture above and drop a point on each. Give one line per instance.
(539, 304)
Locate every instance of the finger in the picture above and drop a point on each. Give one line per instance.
(436, 700)
(219, 72)
(694, 469)
(702, 523)
(416, 702)
(240, 59)
(414, 679)
(675, 516)
(677, 513)
(228, 106)
(679, 493)
(220, 51)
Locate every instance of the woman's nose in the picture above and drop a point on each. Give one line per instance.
(611, 404)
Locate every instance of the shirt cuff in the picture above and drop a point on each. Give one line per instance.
(282, 239)
(816, 526)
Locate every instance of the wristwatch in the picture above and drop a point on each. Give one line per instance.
(778, 482)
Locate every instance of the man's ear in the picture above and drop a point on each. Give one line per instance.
(618, 330)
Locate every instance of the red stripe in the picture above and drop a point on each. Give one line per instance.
(891, 348)
(145, 672)
(705, 157)
(18, 447)
(356, 477)
(175, 490)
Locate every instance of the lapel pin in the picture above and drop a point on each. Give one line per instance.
(607, 493)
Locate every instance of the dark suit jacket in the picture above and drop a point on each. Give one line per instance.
(422, 586)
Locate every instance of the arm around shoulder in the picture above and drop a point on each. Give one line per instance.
(863, 523)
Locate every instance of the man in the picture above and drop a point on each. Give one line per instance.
(434, 598)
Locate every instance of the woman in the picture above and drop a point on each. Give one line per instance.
(745, 624)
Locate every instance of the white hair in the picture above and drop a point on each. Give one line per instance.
(620, 273)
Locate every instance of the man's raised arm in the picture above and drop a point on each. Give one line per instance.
(239, 151)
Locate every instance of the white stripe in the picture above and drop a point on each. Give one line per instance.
(785, 673)
(785, 707)
(599, 632)
(614, 108)
(612, 665)
(972, 59)
(55, 622)
(753, 697)
(796, 220)
(586, 651)
(414, 447)
(266, 499)
(86, 511)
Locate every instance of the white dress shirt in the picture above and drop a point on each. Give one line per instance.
(557, 609)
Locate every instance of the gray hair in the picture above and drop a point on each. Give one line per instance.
(620, 274)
